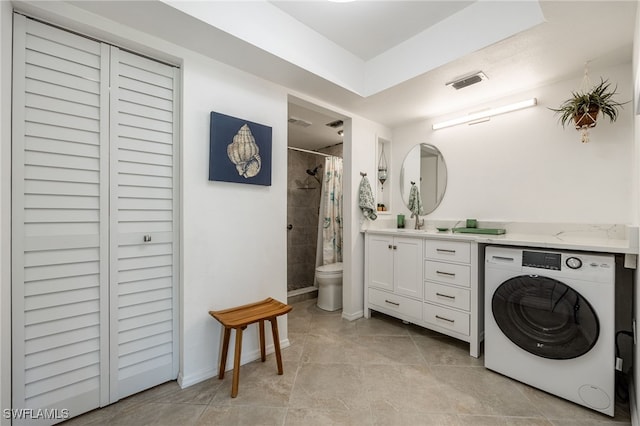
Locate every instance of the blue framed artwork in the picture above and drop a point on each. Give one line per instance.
(239, 150)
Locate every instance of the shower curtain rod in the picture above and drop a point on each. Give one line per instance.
(310, 152)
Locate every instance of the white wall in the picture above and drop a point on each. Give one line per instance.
(234, 235)
(5, 203)
(523, 166)
(359, 157)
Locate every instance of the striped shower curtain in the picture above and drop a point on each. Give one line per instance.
(332, 215)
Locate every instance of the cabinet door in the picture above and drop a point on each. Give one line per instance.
(380, 261)
(407, 268)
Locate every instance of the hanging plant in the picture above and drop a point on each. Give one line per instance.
(584, 106)
(382, 169)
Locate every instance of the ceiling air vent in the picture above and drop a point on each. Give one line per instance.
(299, 122)
(335, 124)
(467, 80)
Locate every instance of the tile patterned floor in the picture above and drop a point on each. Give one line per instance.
(366, 372)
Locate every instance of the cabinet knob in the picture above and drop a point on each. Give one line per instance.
(146, 238)
(390, 246)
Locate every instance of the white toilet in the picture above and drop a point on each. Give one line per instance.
(329, 286)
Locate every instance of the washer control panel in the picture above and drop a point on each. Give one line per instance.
(542, 260)
(594, 267)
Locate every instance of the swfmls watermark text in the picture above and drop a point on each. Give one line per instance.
(35, 413)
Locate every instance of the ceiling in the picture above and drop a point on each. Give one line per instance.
(309, 127)
(325, 50)
(528, 59)
(369, 28)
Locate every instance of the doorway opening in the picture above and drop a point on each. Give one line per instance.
(314, 137)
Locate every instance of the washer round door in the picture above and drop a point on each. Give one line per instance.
(545, 317)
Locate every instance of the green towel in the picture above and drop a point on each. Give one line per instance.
(415, 202)
(366, 202)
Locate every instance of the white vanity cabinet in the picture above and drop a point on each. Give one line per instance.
(449, 299)
(452, 303)
(394, 275)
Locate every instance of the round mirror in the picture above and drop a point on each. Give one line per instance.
(424, 166)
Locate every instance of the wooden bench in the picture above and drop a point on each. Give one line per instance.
(239, 318)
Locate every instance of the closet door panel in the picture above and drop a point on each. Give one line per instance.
(59, 244)
(142, 207)
(94, 216)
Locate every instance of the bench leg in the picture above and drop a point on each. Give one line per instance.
(276, 343)
(223, 353)
(263, 350)
(236, 362)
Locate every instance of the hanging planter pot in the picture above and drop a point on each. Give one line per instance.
(586, 119)
(583, 107)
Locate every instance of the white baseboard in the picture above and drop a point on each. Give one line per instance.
(353, 316)
(184, 381)
(192, 379)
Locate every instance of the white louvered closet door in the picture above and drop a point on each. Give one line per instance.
(93, 306)
(143, 208)
(60, 220)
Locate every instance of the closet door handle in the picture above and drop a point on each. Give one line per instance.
(445, 319)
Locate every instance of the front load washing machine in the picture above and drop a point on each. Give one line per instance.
(549, 322)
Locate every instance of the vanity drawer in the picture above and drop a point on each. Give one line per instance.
(448, 273)
(451, 251)
(447, 318)
(446, 295)
(395, 303)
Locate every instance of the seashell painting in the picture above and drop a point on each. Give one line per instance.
(245, 153)
(239, 150)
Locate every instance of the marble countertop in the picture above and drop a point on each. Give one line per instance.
(599, 238)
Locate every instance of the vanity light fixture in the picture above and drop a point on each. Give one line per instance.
(486, 114)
